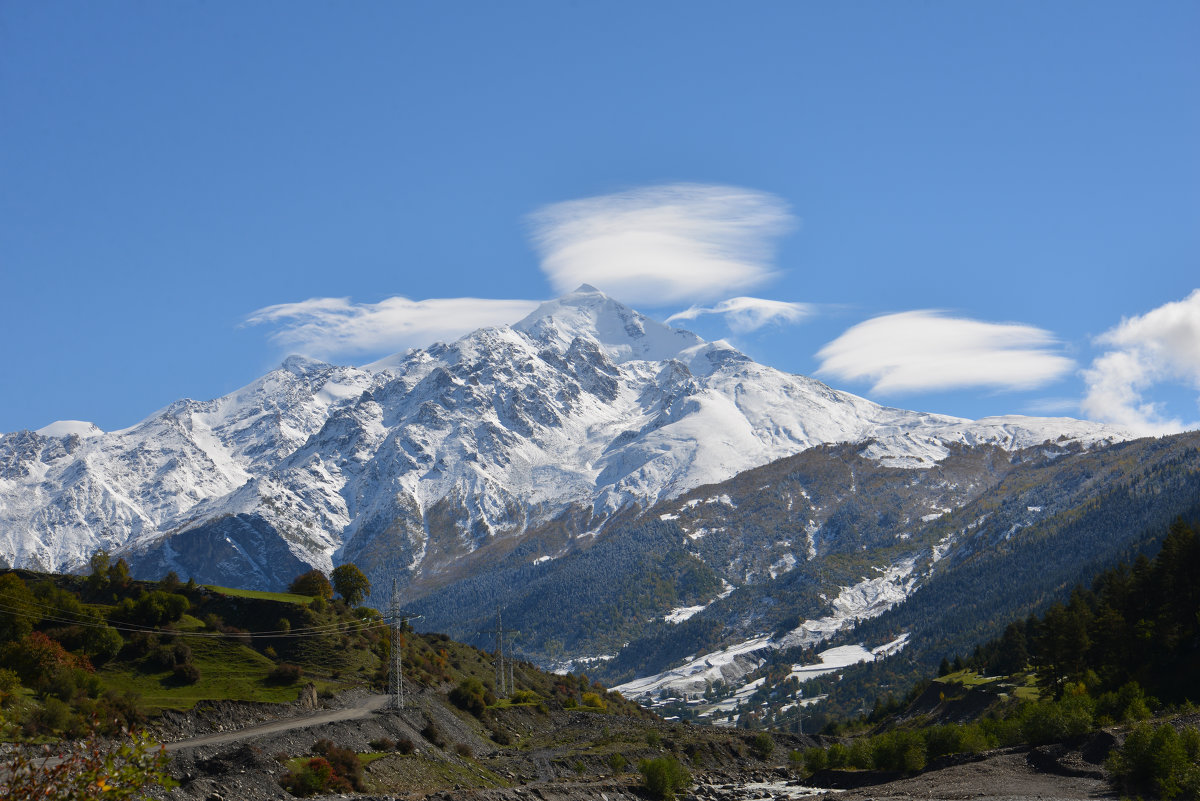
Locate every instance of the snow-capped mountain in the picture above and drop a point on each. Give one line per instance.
(421, 458)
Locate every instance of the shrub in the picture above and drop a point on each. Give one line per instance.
(186, 674)
(162, 658)
(1158, 760)
(1126, 705)
(468, 696)
(383, 744)
(663, 776)
(899, 749)
(285, 673)
(954, 739)
(124, 769)
(102, 643)
(594, 701)
(54, 715)
(345, 763)
(433, 734)
(463, 750)
(815, 759)
(617, 762)
(313, 583)
(405, 746)
(19, 602)
(524, 697)
(315, 776)
(862, 755)
(10, 682)
(500, 736)
(37, 657)
(762, 745)
(838, 756)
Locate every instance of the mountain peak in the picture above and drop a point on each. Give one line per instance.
(623, 333)
(65, 428)
(300, 365)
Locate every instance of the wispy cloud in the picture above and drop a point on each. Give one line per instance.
(325, 327)
(924, 350)
(749, 314)
(657, 245)
(661, 244)
(1158, 346)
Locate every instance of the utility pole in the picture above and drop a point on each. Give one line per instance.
(396, 673)
(397, 619)
(504, 677)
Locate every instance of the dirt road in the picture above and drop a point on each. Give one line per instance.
(364, 708)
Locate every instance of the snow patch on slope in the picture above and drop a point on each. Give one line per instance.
(868, 598)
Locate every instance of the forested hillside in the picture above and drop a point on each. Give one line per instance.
(1015, 572)
(1114, 656)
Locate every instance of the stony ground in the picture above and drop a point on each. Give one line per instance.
(564, 756)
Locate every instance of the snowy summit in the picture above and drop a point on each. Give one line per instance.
(418, 459)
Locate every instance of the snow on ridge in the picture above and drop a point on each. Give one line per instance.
(584, 401)
(66, 428)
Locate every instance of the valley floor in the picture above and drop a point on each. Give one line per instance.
(564, 757)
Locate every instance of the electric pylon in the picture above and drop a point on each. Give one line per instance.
(396, 672)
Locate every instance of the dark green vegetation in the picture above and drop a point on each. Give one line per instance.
(1115, 655)
(1159, 760)
(1129, 494)
(663, 776)
(117, 648)
(591, 603)
(1137, 624)
(104, 645)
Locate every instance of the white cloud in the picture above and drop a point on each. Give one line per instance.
(326, 326)
(661, 244)
(1159, 346)
(923, 350)
(749, 314)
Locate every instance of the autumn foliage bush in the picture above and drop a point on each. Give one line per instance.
(91, 770)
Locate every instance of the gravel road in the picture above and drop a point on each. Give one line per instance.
(364, 708)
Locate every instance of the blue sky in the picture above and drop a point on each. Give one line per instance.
(907, 175)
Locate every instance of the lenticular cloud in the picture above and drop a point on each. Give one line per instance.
(661, 244)
(923, 350)
(326, 327)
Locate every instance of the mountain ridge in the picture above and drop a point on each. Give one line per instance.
(585, 403)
